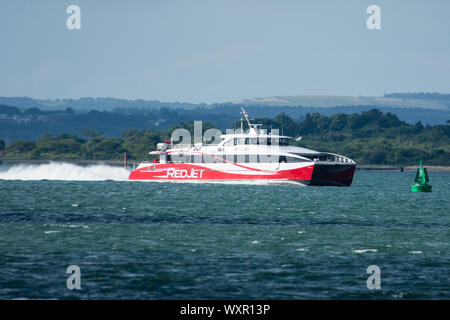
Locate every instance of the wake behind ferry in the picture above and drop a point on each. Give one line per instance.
(247, 156)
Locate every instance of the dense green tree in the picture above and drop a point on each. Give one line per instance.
(370, 137)
(91, 133)
(101, 148)
(287, 125)
(139, 143)
(338, 122)
(21, 149)
(21, 146)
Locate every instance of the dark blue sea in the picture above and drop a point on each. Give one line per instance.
(143, 240)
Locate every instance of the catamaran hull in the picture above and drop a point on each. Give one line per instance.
(313, 174)
(332, 175)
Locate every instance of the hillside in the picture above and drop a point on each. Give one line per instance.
(87, 104)
(370, 137)
(32, 123)
(433, 101)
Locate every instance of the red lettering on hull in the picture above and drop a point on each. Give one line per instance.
(195, 172)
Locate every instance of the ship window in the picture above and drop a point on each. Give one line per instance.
(231, 142)
(263, 158)
(196, 158)
(228, 158)
(292, 160)
(244, 158)
(251, 158)
(212, 159)
(240, 158)
(308, 156)
(269, 141)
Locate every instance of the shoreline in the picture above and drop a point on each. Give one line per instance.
(381, 167)
(133, 163)
(81, 162)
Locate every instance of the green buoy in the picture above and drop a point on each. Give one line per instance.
(421, 180)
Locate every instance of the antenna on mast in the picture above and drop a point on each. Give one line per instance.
(246, 118)
(253, 128)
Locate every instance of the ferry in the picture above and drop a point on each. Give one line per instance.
(249, 156)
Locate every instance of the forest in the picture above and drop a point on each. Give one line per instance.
(369, 137)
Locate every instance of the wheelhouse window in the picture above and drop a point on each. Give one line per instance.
(258, 158)
(293, 160)
(321, 157)
(229, 143)
(257, 141)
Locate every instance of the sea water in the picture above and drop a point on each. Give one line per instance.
(144, 240)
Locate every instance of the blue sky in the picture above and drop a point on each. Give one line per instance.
(217, 51)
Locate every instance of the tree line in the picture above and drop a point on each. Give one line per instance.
(370, 137)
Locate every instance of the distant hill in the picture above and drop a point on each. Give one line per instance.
(434, 101)
(420, 95)
(32, 123)
(28, 118)
(87, 104)
(307, 101)
(369, 137)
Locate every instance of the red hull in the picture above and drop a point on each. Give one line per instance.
(315, 174)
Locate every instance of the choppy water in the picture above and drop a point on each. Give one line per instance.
(141, 240)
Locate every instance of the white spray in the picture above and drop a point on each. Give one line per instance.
(64, 171)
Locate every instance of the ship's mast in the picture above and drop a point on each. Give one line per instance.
(246, 118)
(253, 128)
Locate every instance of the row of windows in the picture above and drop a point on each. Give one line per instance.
(325, 157)
(241, 158)
(257, 141)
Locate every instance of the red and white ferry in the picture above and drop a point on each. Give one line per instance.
(243, 157)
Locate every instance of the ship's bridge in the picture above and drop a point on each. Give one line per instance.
(249, 139)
